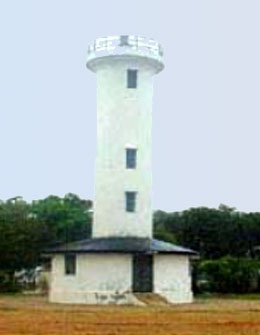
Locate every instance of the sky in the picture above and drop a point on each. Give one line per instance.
(205, 110)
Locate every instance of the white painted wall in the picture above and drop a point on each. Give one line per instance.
(107, 278)
(97, 276)
(172, 278)
(124, 119)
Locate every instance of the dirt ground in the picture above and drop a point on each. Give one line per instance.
(33, 315)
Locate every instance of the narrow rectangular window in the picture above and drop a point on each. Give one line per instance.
(131, 78)
(70, 264)
(130, 201)
(130, 158)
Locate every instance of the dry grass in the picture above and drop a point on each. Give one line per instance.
(32, 315)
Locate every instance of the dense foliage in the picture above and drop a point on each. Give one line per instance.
(228, 275)
(214, 233)
(27, 229)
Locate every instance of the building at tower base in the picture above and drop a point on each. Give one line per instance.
(112, 270)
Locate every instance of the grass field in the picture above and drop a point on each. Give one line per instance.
(31, 315)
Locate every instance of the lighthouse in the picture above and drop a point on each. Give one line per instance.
(125, 67)
(122, 258)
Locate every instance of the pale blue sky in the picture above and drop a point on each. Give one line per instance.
(206, 102)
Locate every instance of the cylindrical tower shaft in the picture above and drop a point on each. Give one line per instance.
(125, 66)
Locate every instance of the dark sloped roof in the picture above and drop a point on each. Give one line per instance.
(120, 245)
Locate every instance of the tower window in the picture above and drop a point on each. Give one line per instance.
(70, 264)
(131, 78)
(130, 201)
(130, 158)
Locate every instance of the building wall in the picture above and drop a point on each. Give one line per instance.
(124, 119)
(107, 278)
(172, 278)
(104, 278)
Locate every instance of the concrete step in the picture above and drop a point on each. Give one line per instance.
(152, 299)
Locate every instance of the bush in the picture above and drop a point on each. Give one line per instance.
(7, 284)
(229, 275)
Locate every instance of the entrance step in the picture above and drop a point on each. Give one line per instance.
(152, 299)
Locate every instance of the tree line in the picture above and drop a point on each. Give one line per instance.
(214, 233)
(218, 235)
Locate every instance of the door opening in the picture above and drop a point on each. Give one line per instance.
(142, 273)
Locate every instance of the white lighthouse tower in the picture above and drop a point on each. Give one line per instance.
(125, 67)
(122, 257)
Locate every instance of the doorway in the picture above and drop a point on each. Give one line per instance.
(142, 273)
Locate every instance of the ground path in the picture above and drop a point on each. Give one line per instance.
(30, 315)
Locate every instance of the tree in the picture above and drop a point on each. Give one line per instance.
(68, 218)
(26, 230)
